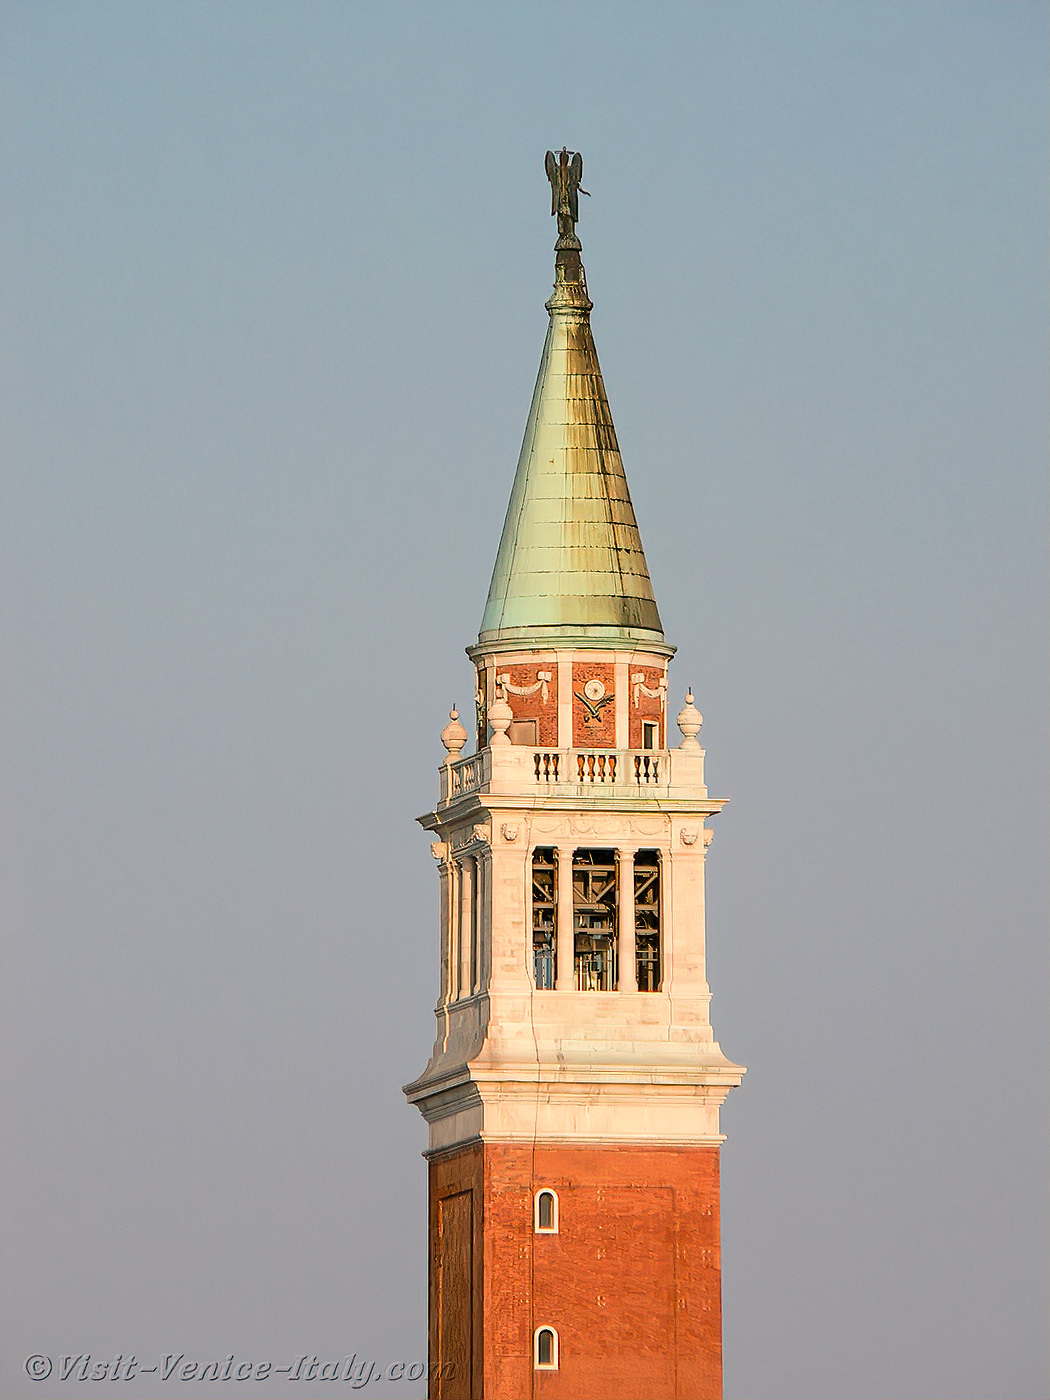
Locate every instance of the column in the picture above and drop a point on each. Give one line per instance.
(565, 979)
(440, 852)
(466, 926)
(668, 875)
(477, 943)
(625, 955)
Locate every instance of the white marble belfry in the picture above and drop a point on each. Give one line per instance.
(515, 1062)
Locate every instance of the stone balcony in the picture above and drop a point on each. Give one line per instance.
(518, 770)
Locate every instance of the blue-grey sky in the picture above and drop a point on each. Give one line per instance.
(272, 292)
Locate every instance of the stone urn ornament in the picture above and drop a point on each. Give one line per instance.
(500, 717)
(453, 736)
(689, 721)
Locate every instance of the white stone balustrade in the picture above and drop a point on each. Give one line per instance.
(521, 770)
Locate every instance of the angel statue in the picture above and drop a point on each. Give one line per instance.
(565, 171)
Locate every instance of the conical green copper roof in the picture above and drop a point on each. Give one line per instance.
(570, 568)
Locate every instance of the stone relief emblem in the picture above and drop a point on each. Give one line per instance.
(509, 831)
(593, 699)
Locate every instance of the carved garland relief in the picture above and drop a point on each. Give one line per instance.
(532, 693)
(599, 826)
(542, 684)
(648, 701)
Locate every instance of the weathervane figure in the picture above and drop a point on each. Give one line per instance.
(565, 171)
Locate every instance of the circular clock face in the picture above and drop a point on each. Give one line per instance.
(594, 690)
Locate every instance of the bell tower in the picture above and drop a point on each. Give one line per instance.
(574, 1088)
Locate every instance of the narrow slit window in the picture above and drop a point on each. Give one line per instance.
(594, 875)
(545, 1349)
(650, 734)
(647, 920)
(544, 917)
(546, 1212)
(481, 702)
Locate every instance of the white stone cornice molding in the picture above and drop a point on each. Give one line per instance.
(597, 1109)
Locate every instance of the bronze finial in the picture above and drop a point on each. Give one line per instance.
(565, 171)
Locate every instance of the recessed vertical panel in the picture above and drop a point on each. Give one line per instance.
(455, 1276)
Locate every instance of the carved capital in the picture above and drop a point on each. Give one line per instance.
(470, 836)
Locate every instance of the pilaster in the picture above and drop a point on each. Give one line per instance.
(628, 970)
(566, 936)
